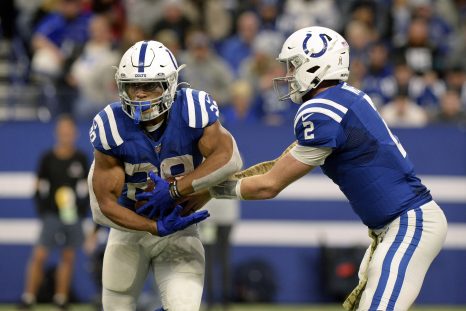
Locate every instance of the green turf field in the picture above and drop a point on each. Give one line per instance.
(255, 308)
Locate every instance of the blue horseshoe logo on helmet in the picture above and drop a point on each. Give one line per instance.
(324, 38)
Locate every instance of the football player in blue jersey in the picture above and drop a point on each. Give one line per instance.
(338, 128)
(155, 130)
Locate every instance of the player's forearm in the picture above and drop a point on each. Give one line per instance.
(126, 219)
(259, 187)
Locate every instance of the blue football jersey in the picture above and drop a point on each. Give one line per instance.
(174, 153)
(368, 162)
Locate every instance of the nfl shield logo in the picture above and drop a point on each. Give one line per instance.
(158, 148)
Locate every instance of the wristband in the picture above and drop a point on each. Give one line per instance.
(173, 190)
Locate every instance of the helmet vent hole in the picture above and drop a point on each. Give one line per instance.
(313, 69)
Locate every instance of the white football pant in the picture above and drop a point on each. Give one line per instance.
(407, 247)
(177, 262)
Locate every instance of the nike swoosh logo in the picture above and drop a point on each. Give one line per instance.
(289, 47)
(304, 118)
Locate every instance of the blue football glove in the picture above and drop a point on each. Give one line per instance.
(168, 224)
(159, 200)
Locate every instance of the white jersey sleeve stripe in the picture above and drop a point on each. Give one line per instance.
(369, 100)
(327, 102)
(327, 112)
(202, 103)
(191, 109)
(113, 126)
(102, 136)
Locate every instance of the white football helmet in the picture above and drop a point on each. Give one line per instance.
(312, 55)
(150, 65)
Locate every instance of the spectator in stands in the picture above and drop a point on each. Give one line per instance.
(403, 112)
(217, 20)
(268, 12)
(174, 18)
(429, 90)
(143, 13)
(439, 28)
(170, 39)
(300, 13)
(450, 110)
(456, 56)
(205, 70)
(58, 37)
(358, 72)
(239, 47)
(57, 42)
(114, 11)
(420, 53)
(62, 201)
(373, 14)
(360, 38)
(378, 69)
(265, 48)
(92, 72)
(259, 70)
(271, 111)
(240, 109)
(131, 34)
(455, 79)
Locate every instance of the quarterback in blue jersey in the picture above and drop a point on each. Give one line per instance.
(338, 128)
(155, 131)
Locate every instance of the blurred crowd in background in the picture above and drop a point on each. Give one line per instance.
(56, 56)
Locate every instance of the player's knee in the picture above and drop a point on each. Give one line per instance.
(182, 291)
(115, 301)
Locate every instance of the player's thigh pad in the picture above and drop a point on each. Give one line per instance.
(125, 264)
(179, 271)
(407, 247)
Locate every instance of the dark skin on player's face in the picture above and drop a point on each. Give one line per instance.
(146, 91)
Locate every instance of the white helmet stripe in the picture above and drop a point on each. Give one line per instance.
(113, 126)
(191, 109)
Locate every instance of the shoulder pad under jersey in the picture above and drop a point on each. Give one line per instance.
(318, 121)
(106, 127)
(198, 109)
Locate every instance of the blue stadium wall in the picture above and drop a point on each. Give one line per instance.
(287, 233)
